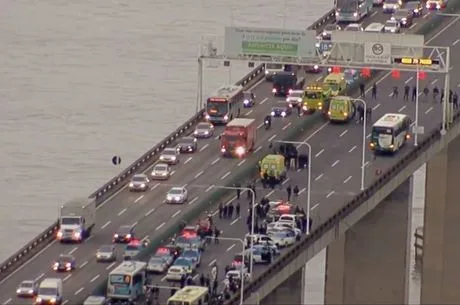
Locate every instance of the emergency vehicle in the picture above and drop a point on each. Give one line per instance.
(315, 97)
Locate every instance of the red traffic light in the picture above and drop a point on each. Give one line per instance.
(366, 72)
(421, 75)
(336, 70)
(396, 74)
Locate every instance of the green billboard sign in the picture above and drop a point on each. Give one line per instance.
(273, 48)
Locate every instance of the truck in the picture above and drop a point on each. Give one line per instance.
(238, 138)
(77, 217)
(225, 104)
(315, 97)
(50, 292)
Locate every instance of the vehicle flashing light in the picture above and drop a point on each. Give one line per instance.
(274, 90)
(128, 236)
(163, 250)
(290, 91)
(59, 234)
(240, 151)
(189, 235)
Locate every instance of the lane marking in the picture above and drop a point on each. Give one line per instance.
(216, 138)
(7, 301)
(319, 153)
(160, 226)
(318, 78)
(231, 247)
(368, 136)
(139, 198)
(105, 225)
(264, 100)
(209, 188)
(163, 278)
(188, 160)
(175, 214)
(149, 212)
(65, 302)
(353, 148)
(390, 95)
(39, 277)
(89, 238)
(260, 125)
(258, 148)
(373, 14)
(426, 16)
(110, 266)
(314, 207)
(212, 262)
(442, 30)
(429, 110)
(225, 175)
(409, 79)
(272, 137)
(434, 81)
(78, 291)
(302, 190)
(84, 264)
(204, 147)
(315, 132)
(185, 185)
(249, 112)
(155, 186)
(365, 164)
(199, 174)
(121, 212)
(235, 221)
(330, 194)
(67, 277)
(343, 133)
(287, 125)
(270, 193)
(319, 177)
(376, 107)
(286, 181)
(412, 26)
(402, 108)
(173, 172)
(335, 163)
(455, 42)
(193, 200)
(241, 162)
(346, 180)
(134, 224)
(73, 250)
(215, 161)
(94, 278)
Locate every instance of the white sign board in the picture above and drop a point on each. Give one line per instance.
(377, 53)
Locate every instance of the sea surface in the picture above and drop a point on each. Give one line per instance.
(82, 81)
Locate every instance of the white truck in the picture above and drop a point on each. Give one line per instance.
(76, 219)
(50, 292)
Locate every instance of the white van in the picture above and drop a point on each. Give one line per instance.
(50, 292)
(375, 27)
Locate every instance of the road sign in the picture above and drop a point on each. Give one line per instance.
(377, 53)
(269, 42)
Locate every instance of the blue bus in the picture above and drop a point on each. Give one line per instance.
(126, 281)
(352, 10)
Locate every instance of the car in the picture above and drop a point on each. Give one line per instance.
(161, 171)
(391, 6)
(415, 7)
(273, 248)
(313, 69)
(204, 130)
(139, 182)
(377, 2)
(157, 264)
(261, 254)
(177, 195)
(238, 260)
(192, 242)
(106, 253)
(170, 250)
(354, 27)
(295, 98)
(175, 273)
(249, 99)
(27, 289)
(392, 26)
(328, 29)
(404, 17)
(436, 4)
(188, 265)
(272, 69)
(124, 234)
(65, 262)
(170, 156)
(194, 255)
(281, 109)
(259, 239)
(282, 238)
(187, 145)
(236, 276)
(133, 248)
(284, 226)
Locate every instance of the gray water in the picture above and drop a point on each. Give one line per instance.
(83, 81)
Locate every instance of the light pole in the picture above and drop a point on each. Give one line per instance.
(309, 177)
(363, 153)
(416, 107)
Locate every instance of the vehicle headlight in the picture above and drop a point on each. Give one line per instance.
(18, 291)
(299, 100)
(131, 184)
(283, 114)
(305, 107)
(345, 114)
(56, 264)
(246, 102)
(317, 45)
(438, 6)
(336, 14)
(385, 6)
(77, 234)
(68, 265)
(427, 5)
(206, 132)
(162, 157)
(324, 33)
(143, 185)
(329, 69)
(355, 14)
(169, 197)
(98, 255)
(59, 234)
(316, 67)
(266, 72)
(223, 149)
(178, 198)
(164, 174)
(416, 11)
(226, 117)
(207, 117)
(393, 30)
(274, 90)
(53, 300)
(128, 236)
(173, 158)
(39, 300)
(195, 132)
(240, 151)
(273, 113)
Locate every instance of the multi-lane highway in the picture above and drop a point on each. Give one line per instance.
(336, 160)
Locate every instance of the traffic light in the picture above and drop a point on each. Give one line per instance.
(396, 74)
(421, 75)
(336, 70)
(366, 72)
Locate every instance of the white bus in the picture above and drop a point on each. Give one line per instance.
(126, 282)
(190, 295)
(390, 132)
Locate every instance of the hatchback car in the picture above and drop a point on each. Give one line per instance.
(295, 98)
(328, 29)
(204, 130)
(157, 264)
(123, 235)
(415, 7)
(170, 156)
(161, 171)
(281, 109)
(392, 26)
(65, 263)
(27, 289)
(177, 195)
(139, 182)
(404, 17)
(187, 145)
(106, 253)
(175, 273)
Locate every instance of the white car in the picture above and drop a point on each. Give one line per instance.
(175, 273)
(295, 98)
(170, 156)
(392, 26)
(236, 276)
(177, 195)
(161, 171)
(284, 226)
(354, 27)
(157, 264)
(282, 238)
(259, 239)
(377, 2)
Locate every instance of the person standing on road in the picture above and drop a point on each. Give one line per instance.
(406, 93)
(455, 100)
(216, 235)
(296, 191)
(225, 211)
(374, 91)
(414, 93)
(289, 191)
(230, 210)
(238, 190)
(362, 90)
(237, 209)
(395, 93)
(221, 210)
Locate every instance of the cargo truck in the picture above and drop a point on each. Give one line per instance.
(76, 219)
(238, 138)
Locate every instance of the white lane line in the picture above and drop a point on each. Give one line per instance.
(302, 190)
(188, 160)
(366, 164)
(204, 147)
(368, 136)
(185, 185)
(163, 278)
(319, 153)
(94, 278)
(155, 186)
(121, 212)
(330, 194)
(175, 214)
(249, 112)
(264, 100)
(270, 193)
(193, 200)
(67, 277)
(65, 302)
(391, 94)
(172, 173)
(7, 301)
(315, 132)
(260, 125)
(160, 226)
(409, 79)
(39, 277)
(78, 291)
(84, 264)
(286, 181)
(412, 26)
(199, 174)
(241, 162)
(346, 180)
(105, 225)
(73, 250)
(225, 175)
(319, 177)
(139, 198)
(428, 110)
(402, 108)
(287, 125)
(343, 133)
(318, 78)
(335, 163)
(149, 212)
(353, 148)
(134, 224)
(231, 247)
(376, 107)
(258, 148)
(89, 238)
(215, 161)
(235, 221)
(426, 16)
(272, 137)
(373, 14)
(455, 42)
(434, 81)
(212, 262)
(110, 266)
(216, 138)
(314, 207)
(209, 188)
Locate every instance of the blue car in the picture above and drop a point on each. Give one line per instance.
(194, 255)
(186, 264)
(65, 263)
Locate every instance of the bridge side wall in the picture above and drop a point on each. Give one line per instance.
(289, 292)
(370, 263)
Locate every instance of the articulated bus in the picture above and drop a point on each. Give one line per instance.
(126, 282)
(190, 295)
(390, 132)
(352, 10)
(224, 105)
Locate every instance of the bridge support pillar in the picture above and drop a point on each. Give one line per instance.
(289, 292)
(441, 244)
(370, 264)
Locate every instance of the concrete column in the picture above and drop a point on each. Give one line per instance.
(370, 264)
(441, 243)
(289, 292)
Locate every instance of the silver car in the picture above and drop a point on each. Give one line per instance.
(170, 156)
(157, 264)
(204, 130)
(106, 253)
(27, 289)
(392, 26)
(161, 171)
(295, 98)
(139, 182)
(354, 27)
(177, 195)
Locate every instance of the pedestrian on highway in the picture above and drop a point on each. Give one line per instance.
(221, 210)
(202, 280)
(237, 209)
(435, 93)
(360, 111)
(455, 100)
(238, 190)
(426, 91)
(183, 278)
(374, 91)
(414, 93)
(299, 110)
(369, 114)
(215, 285)
(189, 280)
(225, 211)
(310, 224)
(289, 191)
(249, 186)
(253, 188)
(230, 210)
(450, 95)
(216, 235)
(406, 93)
(362, 90)
(395, 92)
(207, 282)
(442, 95)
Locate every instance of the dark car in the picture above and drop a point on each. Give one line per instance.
(313, 69)
(64, 263)
(187, 145)
(404, 17)
(283, 83)
(415, 7)
(123, 235)
(281, 109)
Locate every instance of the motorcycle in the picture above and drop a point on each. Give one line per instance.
(267, 124)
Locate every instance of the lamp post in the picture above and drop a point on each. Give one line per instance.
(363, 154)
(416, 107)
